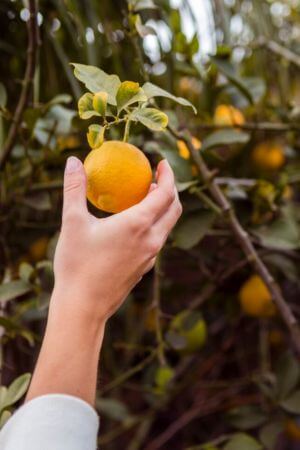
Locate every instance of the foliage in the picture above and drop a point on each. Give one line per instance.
(188, 369)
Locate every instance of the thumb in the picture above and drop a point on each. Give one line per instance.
(74, 187)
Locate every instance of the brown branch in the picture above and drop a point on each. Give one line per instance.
(33, 42)
(157, 309)
(261, 126)
(243, 238)
(204, 407)
(279, 50)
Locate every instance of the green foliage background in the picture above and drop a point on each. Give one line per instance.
(239, 389)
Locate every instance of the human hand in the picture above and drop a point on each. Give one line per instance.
(98, 261)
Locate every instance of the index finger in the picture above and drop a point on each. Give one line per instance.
(158, 200)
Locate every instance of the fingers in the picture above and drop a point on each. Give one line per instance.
(165, 224)
(160, 197)
(152, 187)
(74, 188)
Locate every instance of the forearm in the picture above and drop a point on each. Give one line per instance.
(69, 355)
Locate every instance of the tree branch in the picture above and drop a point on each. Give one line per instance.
(253, 126)
(242, 237)
(279, 50)
(33, 42)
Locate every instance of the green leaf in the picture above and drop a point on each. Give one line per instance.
(246, 417)
(287, 373)
(269, 434)
(176, 340)
(283, 233)
(292, 403)
(143, 30)
(140, 5)
(181, 167)
(13, 289)
(59, 120)
(152, 118)
(4, 418)
(256, 86)
(183, 186)
(40, 201)
(151, 90)
(129, 93)
(96, 80)
(191, 328)
(26, 271)
(113, 409)
(95, 135)
(60, 98)
(194, 45)
(192, 228)
(3, 393)
(163, 377)
(16, 390)
(100, 103)
(242, 441)
(224, 137)
(85, 106)
(228, 70)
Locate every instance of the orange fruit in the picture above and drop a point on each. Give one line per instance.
(184, 151)
(226, 115)
(268, 156)
(276, 338)
(118, 176)
(292, 429)
(38, 249)
(255, 298)
(288, 193)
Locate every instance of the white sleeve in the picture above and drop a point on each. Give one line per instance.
(52, 422)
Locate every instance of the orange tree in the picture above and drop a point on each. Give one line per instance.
(206, 349)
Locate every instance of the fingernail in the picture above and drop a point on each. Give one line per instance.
(73, 164)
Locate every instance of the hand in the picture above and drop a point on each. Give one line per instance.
(98, 261)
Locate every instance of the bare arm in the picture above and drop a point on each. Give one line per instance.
(97, 263)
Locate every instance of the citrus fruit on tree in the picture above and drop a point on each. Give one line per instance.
(183, 149)
(268, 156)
(188, 332)
(255, 298)
(38, 249)
(292, 429)
(228, 115)
(118, 176)
(276, 338)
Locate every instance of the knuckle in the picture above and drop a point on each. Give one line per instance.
(170, 197)
(73, 183)
(140, 224)
(72, 215)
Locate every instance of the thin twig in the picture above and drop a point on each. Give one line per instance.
(280, 50)
(242, 237)
(255, 126)
(33, 43)
(129, 373)
(156, 306)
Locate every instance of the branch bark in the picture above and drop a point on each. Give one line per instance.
(253, 126)
(243, 238)
(32, 47)
(279, 50)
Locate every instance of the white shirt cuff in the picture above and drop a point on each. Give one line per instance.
(52, 422)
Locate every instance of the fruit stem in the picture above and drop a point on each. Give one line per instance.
(126, 131)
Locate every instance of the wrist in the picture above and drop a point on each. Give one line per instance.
(73, 308)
